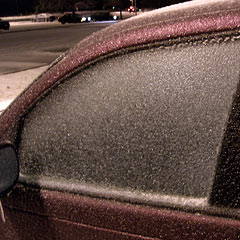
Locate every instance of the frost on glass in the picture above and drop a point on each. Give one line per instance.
(149, 121)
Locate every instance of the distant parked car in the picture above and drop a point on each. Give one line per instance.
(4, 25)
(103, 16)
(43, 17)
(73, 18)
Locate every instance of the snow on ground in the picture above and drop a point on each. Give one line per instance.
(11, 85)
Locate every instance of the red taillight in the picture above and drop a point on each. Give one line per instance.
(131, 9)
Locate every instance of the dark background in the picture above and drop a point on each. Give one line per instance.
(25, 7)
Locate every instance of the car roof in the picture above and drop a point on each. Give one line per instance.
(186, 19)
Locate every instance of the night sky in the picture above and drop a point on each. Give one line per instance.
(25, 7)
(15, 7)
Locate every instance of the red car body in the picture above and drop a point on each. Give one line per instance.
(42, 210)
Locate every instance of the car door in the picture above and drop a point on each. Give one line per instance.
(133, 137)
(131, 147)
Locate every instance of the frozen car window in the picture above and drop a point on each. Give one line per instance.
(149, 121)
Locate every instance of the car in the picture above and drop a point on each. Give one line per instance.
(132, 134)
(73, 18)
(103, 16)
(4, 24)
(43, 17)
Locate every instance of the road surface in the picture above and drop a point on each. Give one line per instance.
(29, 45)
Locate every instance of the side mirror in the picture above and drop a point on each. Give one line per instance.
(9, 168)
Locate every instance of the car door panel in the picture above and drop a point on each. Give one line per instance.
(56, 215)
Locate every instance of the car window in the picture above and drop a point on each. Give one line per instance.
(148, 121)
